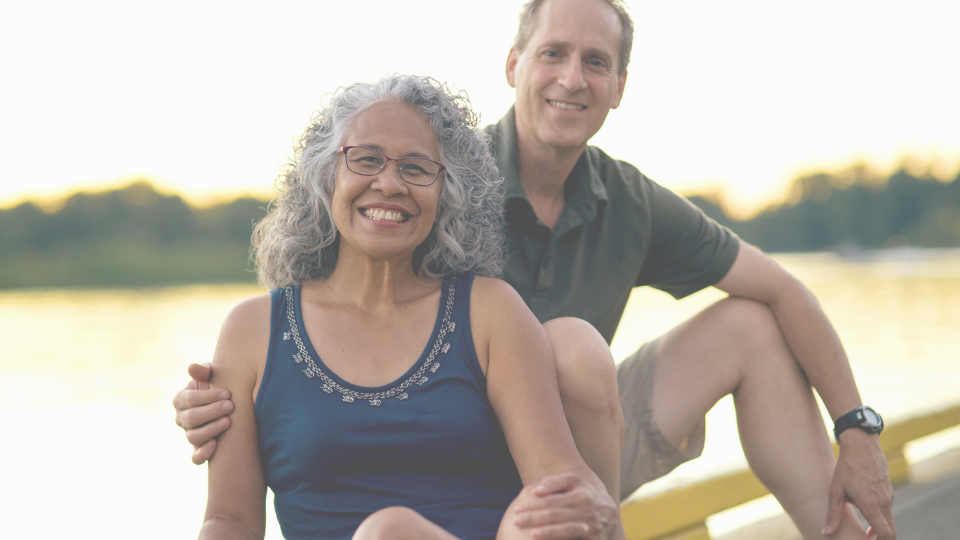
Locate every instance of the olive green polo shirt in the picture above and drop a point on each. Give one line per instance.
(618, 230)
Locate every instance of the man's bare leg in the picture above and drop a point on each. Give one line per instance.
(587, 377)
(736, 347)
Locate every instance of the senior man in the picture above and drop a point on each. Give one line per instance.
(583, 229)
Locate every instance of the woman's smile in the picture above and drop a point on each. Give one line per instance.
(385, 213)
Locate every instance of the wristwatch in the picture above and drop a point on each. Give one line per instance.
(863, 417)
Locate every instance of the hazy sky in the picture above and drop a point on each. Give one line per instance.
(205, 97)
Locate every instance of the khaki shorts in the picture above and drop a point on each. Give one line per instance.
(647, 454)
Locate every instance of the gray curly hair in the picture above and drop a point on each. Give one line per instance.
(297, 241)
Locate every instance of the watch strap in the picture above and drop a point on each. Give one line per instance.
(857, 418)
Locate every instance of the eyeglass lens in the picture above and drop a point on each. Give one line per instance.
(369, 162)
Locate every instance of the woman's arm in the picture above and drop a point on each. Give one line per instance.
(235, 486)
(522, 386)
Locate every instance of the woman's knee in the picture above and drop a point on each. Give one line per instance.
(389, 523)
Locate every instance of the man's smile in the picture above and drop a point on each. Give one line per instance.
(565, 105)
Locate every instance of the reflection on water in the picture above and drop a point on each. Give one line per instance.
(86, 379)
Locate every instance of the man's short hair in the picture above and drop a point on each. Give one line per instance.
(529, 11)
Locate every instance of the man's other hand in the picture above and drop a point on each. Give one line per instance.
(861, 477)
(202, 412)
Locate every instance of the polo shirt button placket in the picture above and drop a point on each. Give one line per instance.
(546, 277)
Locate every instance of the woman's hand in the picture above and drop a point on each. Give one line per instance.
(565, 506)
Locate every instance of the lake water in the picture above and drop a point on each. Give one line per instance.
(86, 378)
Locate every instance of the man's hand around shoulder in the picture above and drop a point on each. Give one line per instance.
(202, 412)
(565, 506)
(862, 478)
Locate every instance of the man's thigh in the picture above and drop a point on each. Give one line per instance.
(647, 453)
(667, 387)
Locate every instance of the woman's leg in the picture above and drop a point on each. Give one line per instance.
(399, 523)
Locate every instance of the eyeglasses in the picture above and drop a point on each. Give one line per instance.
(369, 162)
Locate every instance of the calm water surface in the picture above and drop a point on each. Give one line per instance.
(86, 378)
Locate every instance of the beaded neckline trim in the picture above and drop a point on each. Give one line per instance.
(375, 398)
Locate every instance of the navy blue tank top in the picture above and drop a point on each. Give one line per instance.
(333, 452)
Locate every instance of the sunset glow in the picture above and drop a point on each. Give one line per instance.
(205, 98)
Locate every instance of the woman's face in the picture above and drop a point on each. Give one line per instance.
(382, 216)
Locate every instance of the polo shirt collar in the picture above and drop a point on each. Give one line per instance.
(585, 189)
(507, 155)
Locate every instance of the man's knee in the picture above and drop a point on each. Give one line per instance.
(752, 324)
(585, 369)
(757, 344)
(387, 523)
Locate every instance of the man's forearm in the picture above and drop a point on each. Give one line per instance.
(817, 348)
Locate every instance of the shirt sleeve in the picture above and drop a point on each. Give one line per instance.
(688, 250)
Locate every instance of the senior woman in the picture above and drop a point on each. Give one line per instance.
(387, 387)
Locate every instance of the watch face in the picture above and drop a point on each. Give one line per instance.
(871, 417)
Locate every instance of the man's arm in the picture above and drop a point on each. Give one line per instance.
(861, 473)
(202, 412)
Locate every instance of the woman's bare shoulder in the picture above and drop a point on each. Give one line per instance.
(245, 334)
(493, 290)
(495, 306)
(252, 311)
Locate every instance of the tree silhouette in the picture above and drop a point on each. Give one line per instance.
(137, 236)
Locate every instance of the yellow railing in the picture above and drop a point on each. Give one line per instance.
(680, 514)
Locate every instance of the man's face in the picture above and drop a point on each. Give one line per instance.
(566, 76)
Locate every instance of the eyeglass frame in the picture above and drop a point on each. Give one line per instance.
(343, 150)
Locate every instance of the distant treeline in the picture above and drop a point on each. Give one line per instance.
(136, 236)
(132, 236)
(855, 208)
